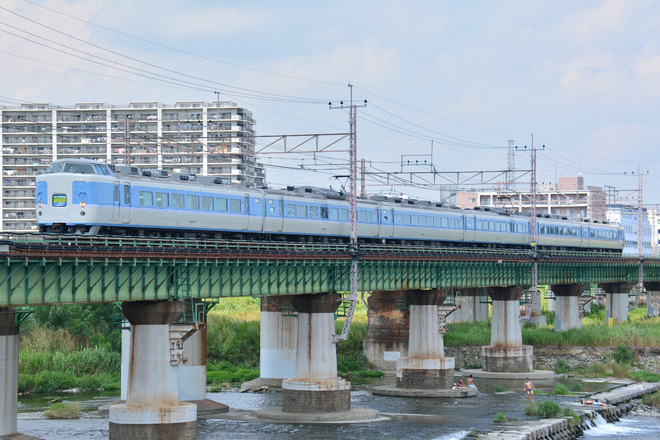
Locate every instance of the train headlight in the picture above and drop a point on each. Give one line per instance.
(40, 204)
(83, 204)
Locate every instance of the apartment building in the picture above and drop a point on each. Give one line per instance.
(215, 138)
(627, 217)
(567, 198)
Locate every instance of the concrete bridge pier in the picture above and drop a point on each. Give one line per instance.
(153, 409)
(388, 329)
(278, 342)
(315, 387)
(425, 372)
(426, 366)
(470, 308)
(652, 299)
(616, 301)
(506, 352)
(567, 314)
(9, 375)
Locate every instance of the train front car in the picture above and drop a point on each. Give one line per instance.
(75, 196)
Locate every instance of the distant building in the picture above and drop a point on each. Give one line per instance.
(197, 137)
(654, 222)
(567, 198)
(627, 217)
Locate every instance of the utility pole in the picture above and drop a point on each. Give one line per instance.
(352, 197)
(640, 230)
(127, 141)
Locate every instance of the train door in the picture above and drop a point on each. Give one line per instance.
(125, 203)
(255, 212)
(116, 207)
(470, 228)
(386, 223)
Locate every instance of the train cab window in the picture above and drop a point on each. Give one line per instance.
(234, 205)
(313, 212)
(193, 203)
(291, 210)
(146, 198)
(302, 211)
(343, 215)
(127, 194)
(221, 204)
(162, 200)
(324, 212)
(334, 214)
(207, 203)
(178, 201)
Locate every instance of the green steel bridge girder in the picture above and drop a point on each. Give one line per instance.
(58, 281)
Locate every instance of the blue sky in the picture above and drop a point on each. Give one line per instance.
(467, 76)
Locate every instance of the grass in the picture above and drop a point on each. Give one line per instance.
(652, 400)
(561, 390)
(225, 373)
(499, 418)
(546, 409)
(63, 410)
(498, 388)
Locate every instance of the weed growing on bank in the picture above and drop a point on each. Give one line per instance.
(64, 410)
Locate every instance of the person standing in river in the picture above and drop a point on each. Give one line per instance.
(528, 387)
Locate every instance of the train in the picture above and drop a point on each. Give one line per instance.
(83, 196)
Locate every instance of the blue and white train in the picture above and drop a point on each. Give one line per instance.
(87, 197)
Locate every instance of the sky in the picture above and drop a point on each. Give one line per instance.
(446, 82)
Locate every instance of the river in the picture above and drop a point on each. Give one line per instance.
(414, 418)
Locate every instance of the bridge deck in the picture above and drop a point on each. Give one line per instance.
(50, 269)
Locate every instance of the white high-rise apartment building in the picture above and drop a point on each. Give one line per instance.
(197, 137)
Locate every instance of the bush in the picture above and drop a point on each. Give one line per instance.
(562, 367)
(546, 409)
(499, 418)
(561, 390)
(624, 355)
(64, 410)
(620, 370)
(498, 388)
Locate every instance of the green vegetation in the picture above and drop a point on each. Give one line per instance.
(652, 400)
(77, 346)
(546, 409)
(499, 418)
(561, 390)
(63, 410)
(498, 388)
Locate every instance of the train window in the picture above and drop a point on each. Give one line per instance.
(437, 221)
(313, 212)
(324, 212)
(414, 220)
(334, 214)
(193, 203)
(343, 215)
(127, 194)
(162, 200)
(302, 211)
(221, 204)
(146, 198)
(362, 216)
(117, 194)
(291, 210)
(422, 220)
(370, 217)
(257, 200)
(398, 219)
(178, 201)
(235, 205)
(480, 225)
(407, 220)
(207, 203)
(491, 226)
(445, 222)
(247, 205)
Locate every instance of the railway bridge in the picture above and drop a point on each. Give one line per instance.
(300, 286)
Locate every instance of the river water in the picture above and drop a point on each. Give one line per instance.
(413, 418)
